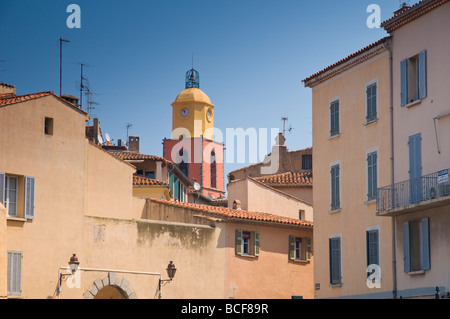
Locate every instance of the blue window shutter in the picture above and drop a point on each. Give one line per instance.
(29, 197)
(423, 74)
(404, 82)
(176, 189)
(406, 248)
(171, 181)
(425, 243)
(2, 188)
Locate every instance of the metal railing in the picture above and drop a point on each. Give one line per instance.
(413, 191)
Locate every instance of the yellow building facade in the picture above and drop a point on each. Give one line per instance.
(351, 152)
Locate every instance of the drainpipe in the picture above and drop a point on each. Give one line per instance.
(388, 46)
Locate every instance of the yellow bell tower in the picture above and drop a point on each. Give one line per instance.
(192, 111)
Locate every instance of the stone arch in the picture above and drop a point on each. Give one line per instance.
(112, 286)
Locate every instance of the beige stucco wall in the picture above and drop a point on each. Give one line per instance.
(350, 149)
(259, 198)
(272, 274)
(429, 32)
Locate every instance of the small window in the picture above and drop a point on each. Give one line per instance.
(14, 269)
(334, 118)
(335, 187)
(416, 245)
(150, 174)
(371, 101)
(247, 243)
(373, 257)
(413, 74)
(335, 261)
(301, 214)
(372, 183)
(306, 161)
(300, 249)
(213, 172)
(48, 128)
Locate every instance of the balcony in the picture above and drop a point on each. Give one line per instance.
(428, 191)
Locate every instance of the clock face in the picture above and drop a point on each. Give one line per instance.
(185, 112)
(208, 114)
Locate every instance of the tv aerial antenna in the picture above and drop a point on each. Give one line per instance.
(90, 102)
(129, 125)
(285, 119)
(83, 87)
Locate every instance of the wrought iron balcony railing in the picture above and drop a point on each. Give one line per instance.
(413, 191)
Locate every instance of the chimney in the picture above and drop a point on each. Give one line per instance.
(133, 144)
(7, 90)
(403, 8)
(71, 99)
(237, 204)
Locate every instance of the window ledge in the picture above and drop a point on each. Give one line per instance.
(334, 136)
(300, 261)
(370, 201)
(17, 219)
(410, 104)
(247, 256)
(334, 211)
(372, 121)
(336, 285)
(417, 272)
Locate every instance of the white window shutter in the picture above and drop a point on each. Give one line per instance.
(29, 197)
(238, 243)
(308, 248)
(14, 273)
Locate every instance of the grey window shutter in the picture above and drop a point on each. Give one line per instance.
(257, 243)
(14, 273)
(238, 241)
(2, 188)
(292, 247)
(308, 248)
(29, 197)
(404, 82)
(425, 243)
(335, 260)
(422, 74)
(406, 248)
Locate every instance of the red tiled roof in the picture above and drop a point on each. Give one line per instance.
(130, 156)
(13, 99)
(229, 213)
(410, 13)
(287, 179)
(144, 181)
(348, 58)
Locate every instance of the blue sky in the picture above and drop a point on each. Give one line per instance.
(251, 55)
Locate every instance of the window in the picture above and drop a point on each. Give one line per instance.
(14, 276)
(247, 243)
(372, 241)
(10, 197)
(413, 73)
(334, 118)
(335, 187)
(184, 168)
(17, 195)
(372, 178)
(371, 100)
(213, 170)
(301, 214)
(416, 245)
(306, 161)
(335, 261)
(48, 126)
(150, 174)
(300, 249)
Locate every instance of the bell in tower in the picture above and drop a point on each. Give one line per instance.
(192, 79)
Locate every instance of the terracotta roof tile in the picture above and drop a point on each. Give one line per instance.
(130, 156)
(144, 181)
(229, 213)
(287, 179)
(13, 99)
(348, 58)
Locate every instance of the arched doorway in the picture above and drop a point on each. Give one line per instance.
(111, 292)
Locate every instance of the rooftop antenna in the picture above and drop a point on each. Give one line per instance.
(90, 102)
(285, 119)
(83, 87)
(61, 40)
(128, 127)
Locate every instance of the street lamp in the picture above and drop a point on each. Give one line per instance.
(73, 265)
(171, 270)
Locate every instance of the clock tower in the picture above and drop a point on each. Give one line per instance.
(192, 146)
